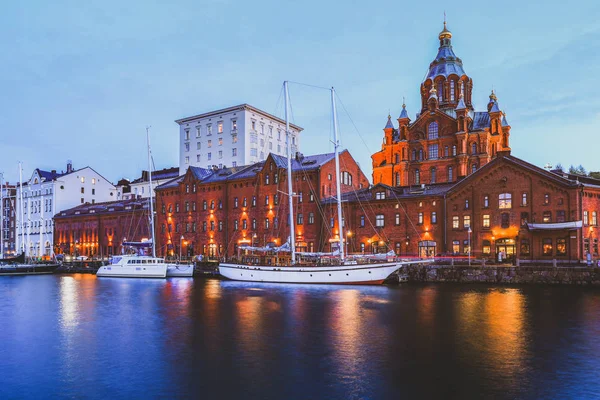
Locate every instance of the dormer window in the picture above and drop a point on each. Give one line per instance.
(380, 196)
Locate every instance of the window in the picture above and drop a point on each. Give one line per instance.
(204, 205)
(235, 224)
(417, 177)
(432, 172)
(455, 246)
(474, 148)
(505, 220)
(187, 134)
(546, 199)
(524, 199)
(212, 225)
(486, 221)
(453, 150)
(434, 217)
(486, 247)
(235, 202)
(473, 168)
(486, 201)
(594, 217)
(432, 131)
(253, 201)
(266, 179)
(561, 247)
(504, 201)
(362, 221)
(524, 218)
(176, 207)
(380, 196)
(220, 204)
(440, 91)
(220, 141)
(245, 202)
(209, 156)
(586, 220)
(275, 223)
(547, 246)
(300, 197)
(82, 190)
(525, 248)
(267, 200)
(244, 224)
(547, 216)
(212, 204)
(187, 147)
(198, 131)
(234, 138)
(187, 159)
(466, 204)
(254, 152)
(187, 206)
(450, 174)
(379, 220)
(197, 157)
(198, 145)
(455, 222)
(467, 221)
(445, 151)
(346, 178)
(451, 90)
(220, 127)
(253, 138)
(433, 152)
(299, 219)
(420, 218)
(253, 223)
(560, 216)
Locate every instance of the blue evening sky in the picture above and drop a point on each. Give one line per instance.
(80, 80)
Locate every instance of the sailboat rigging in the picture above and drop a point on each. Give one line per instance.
(323, 269)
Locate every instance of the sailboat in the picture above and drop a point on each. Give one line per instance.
(143, 266)
(348, 271)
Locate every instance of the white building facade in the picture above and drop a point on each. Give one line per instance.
(231, 137)
(44, 195)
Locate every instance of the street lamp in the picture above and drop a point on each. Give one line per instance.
(180, 246)
(469, 241)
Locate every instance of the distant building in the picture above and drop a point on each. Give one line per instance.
(7, 230)
(47, 192)
(231, 137)
(98, 230)
(138, 188)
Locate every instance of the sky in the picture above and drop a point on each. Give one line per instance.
(81, 81)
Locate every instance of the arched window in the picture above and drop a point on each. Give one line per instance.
(421, 154)
(440, 91)
(433, 173)
(473, 167)
(454, 150)
(462, 88)
(474, 148)
(450, 174)
(452, 90)
(445, 151)
(414, 154)
(397, 158)
(432, 131)
(397, 178)
(417, 177)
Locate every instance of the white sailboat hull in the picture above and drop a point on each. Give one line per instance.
(180, 270)
(344, 274)
(133, 271)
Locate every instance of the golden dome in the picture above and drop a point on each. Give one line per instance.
(445, 34)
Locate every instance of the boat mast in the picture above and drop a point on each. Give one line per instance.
(289, 174)
(151, 193)
(23, 247)
(336, 144)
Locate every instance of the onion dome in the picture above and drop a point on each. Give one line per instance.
(493, 104)
(446, 62)
(403, 114)
(389, 124)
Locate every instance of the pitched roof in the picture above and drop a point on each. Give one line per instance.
(104, 207)
(403, 113)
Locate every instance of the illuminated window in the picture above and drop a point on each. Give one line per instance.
(380, 196)
(525, 247)
(420, 218)
(561, 247)
(486, 221)
(546, 198)
(455, 246)
(220, 127)
(524, 199)
(486, 247)
(505, 201)
(380, 220)
(434, 217)
(467, 221)
(586, 219)
(547, 246)
(397, 219)
(455, 222)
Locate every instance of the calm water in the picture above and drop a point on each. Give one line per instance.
(78, 336)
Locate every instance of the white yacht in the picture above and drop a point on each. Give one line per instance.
(134, 266)
(180, 270)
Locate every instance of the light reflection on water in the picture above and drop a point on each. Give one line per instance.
(220, 339)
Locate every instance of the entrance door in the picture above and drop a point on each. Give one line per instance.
(212, 250)
(427, 248)
(508, 246)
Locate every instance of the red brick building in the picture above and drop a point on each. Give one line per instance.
(213, 211)
(448, 140)
(97, 230)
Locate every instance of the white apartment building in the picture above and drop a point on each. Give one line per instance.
(45, 194)
(140, 188)
(233, 136)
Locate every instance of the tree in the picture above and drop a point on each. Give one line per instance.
(594, 174)
(559, 167)
(577, 170)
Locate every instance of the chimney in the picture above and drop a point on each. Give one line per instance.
(53, 172)
(144, 176)
(69, 166)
